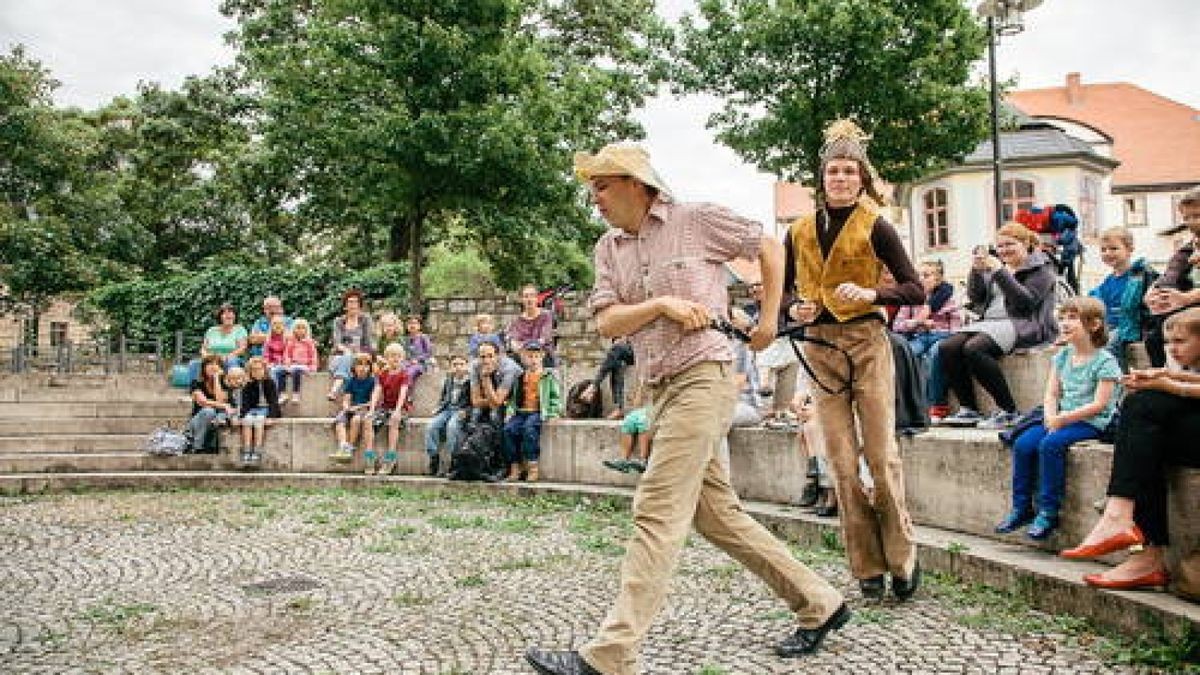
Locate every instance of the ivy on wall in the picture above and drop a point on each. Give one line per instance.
(147, 310)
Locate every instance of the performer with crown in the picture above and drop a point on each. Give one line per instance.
(833, 265)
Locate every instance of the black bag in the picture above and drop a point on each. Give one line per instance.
(578, 409)
(478, 455)
(1029, 420)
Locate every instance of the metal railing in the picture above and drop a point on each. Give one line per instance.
(97, 356)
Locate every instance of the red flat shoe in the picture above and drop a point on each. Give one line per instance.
(1156, 579)
(1125, 539)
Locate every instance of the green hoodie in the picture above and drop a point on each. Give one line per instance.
(549, 397)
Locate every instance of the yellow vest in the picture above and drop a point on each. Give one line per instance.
(852, 258)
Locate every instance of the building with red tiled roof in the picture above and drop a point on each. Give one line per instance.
(1155, 139)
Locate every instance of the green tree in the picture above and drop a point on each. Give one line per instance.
(396, 120)
(786, 68)
(56, 196)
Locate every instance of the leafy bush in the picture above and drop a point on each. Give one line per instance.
(146, 310)
(457, 273)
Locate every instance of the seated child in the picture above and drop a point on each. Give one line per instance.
(1080, 400)
(387, 407)
(299, 358)
(533, 400)
(356, 398)
(1123, 291)
(485, 332)
(454, 405)
(260, 402)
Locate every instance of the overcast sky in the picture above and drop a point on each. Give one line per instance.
(103, 49)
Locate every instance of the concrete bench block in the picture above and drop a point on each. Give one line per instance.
(765, 465)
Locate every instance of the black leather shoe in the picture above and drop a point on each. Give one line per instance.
(873, 588)
(559, 663)
(903, 589)
(807, 640)
(830, 511)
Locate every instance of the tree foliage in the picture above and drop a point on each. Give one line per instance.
(785, 68)
(396, 119)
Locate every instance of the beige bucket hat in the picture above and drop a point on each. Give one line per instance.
(620, 159)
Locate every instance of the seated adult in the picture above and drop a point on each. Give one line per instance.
(260, 330)
(210, 401)
(352, 334)
(618, 357)
(533, 323)
(1161, 411)
(1176, 289)
(493, 376)
(227, 340)
(1012, 290)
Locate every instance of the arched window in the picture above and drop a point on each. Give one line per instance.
(937, 218)
(1016, 194)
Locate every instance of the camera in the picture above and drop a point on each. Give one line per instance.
(986, 249)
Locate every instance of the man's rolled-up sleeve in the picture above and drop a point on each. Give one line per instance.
(604, 290)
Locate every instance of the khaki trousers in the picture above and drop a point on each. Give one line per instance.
(878, 538)
(686, 484)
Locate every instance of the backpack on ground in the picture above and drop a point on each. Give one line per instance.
(579, 409)
(166, 442)
(478, 453)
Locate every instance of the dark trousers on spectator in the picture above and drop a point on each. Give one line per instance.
(1039, 469)
(974, 356)
(523, 437)
(616, 359)
(1153, 434)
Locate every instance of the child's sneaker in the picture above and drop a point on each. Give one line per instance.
(637, 465)
(344, 453)
(1000, 420)
(937, 413)
(370, 458)
(965, 417)
(389, 463)
(621, 465)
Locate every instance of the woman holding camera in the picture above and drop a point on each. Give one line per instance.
(1011, 287)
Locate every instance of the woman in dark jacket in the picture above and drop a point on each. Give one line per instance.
(1013, 293)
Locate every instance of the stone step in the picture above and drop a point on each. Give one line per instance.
(70, 443)
(47, 426)
(127, 461)
(174, 410)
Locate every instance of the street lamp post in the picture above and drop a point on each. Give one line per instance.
(1004, 17)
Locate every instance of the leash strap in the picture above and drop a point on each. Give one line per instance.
(796, 335)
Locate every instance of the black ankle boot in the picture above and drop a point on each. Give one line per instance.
(434, 463)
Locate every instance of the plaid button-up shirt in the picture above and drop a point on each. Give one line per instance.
(679, 251)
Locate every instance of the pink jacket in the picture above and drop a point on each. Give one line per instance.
(274, 348)
(946, 319)
(301, 353)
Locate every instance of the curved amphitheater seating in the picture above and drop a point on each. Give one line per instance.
(957, 481)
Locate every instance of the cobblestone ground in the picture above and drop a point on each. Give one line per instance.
(400, 581)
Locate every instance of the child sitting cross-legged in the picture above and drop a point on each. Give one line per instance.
(387, 408)
(1080, 401)
(352, 418)
(635, 431)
